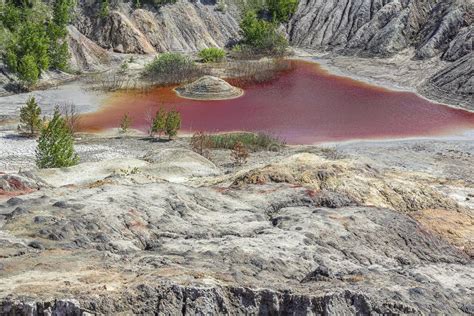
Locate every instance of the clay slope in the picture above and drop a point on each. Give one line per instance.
(382, 27)
(184, 26)
(455, 81)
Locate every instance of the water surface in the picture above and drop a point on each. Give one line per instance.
(304, 105)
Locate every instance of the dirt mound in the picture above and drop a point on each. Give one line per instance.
(209, 88)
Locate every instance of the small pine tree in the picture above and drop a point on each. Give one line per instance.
(11, 59)
(159, 122)
(173, 123)
(30, 117)
(56, 145)
(239, 154)
(125, 123)
(28, 70)
(62, 12)
(59, 52)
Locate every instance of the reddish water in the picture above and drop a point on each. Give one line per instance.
(305, 105)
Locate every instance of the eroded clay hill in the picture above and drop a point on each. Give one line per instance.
(376, 28)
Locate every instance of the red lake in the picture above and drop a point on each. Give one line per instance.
(303, 105)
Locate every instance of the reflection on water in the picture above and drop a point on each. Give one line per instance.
(302, 106)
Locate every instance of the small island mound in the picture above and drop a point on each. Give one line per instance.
(209, 88)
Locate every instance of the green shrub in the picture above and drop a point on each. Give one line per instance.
(261, 37)
(36, 37)
(104, 8)
(166, 63)
(282, 10)
(11, 60)
(32, 40)
(59, 55)
(4, 38)
(30, 117)
(212, 55)
(252, 141)
(10, 16)
(170, 68)
(62, 14)
(158, 124)
(56, 145)
(28, 70)
(173, 123)
(250, 5)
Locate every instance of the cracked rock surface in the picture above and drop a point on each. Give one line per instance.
(296, 241)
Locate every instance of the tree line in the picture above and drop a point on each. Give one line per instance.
(164, 122)
(34, 37)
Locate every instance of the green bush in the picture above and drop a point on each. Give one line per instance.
(59, 55)
(62, 14)
(104, 8)
(30, 117)
(282, 10)
(10, 16)
(173, 123)
(30, 45)
(250, 5)
(171, 68)
(35, 37)
(28, 70)
(56, 145)
(261, 37)
(10, 59)
(212, 55)
(167, 63)
(158, 125)
(252, 141)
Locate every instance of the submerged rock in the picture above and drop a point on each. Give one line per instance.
(209, 88)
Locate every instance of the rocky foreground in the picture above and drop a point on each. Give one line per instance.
(367, 228)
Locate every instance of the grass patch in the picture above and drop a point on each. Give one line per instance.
(252, 141)
(212, 55)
